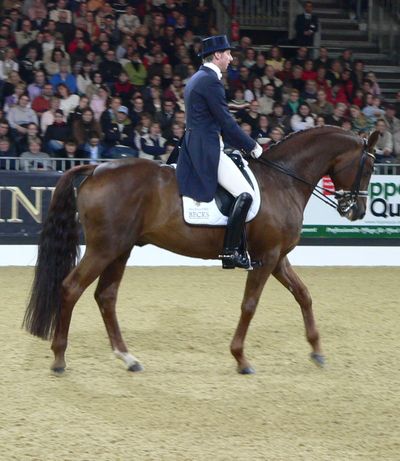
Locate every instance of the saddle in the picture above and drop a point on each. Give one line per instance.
(216, 212)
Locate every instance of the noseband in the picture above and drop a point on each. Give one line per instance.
(347, 199)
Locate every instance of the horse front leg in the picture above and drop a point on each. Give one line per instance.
(106, 298)
(287, 276)
(256, 280)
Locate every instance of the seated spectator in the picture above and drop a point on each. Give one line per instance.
(346, 125)
(320, 120)
(347, 85)
(238, 102)
(259, 67)
(143, 127)
(372, 108)
(321, 106)
(64, 77)
(250, 115)
(384, 146)
(93, 147)
(119, 136)
(308, 71)
(175, 92)
(276, 136)
(153, 105)
(275, 59)
(52, 62)
(34, 159)
(12, 99)
(303, 119)
(267, 101)
(309, 95)
(76, 114)
(334, 72)
(71, 153)
(323, 59)
(337, 95)
(246, 127)
(128, 22)
(6, 150)
(8, 64)
(20, 116)
(178, 130)
(293, 103)
(48, 117)
(261, 133)
(92, 88)
(269, 78)
(6, 131)
(359, 122)
(83, 128)
(41, 103)
(322, 82)
(35, 89)
(166, 116)
(99, 101)
(84, 79)
(29, 64)
(249, 58)
(358, 98)
(110, 68)
(68, 101)
(56, 135)
(297, 81)
(337, 117)
(256, 90)
(346, 59)
(136, 71)
(33, 132)
(286, 74)
(26, 34)
(153, 144)
(123, 88)
(358, 73)
(279, 119)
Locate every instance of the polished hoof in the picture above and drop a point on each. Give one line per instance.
(318, 359)
(247, 371)
(58, 370)
(136, 367)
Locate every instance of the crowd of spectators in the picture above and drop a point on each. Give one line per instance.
(104, 79)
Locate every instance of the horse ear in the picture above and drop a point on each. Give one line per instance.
(373, 138)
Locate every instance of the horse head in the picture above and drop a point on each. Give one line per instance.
(351, 174)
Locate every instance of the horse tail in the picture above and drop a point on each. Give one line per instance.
(372, 140)
(58, 251)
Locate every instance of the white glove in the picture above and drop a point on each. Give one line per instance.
(257, 151)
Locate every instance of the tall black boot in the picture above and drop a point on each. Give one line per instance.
(235, 253)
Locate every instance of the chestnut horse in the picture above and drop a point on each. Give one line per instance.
(136, 202)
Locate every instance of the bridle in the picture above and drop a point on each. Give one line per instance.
(346, 199)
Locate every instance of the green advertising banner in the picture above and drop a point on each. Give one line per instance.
(382, 219)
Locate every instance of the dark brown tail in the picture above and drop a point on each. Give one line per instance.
(58, 250)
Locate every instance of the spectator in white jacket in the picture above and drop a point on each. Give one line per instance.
(128, 22)
(303, 119)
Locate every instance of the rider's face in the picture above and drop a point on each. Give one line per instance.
(223, 59)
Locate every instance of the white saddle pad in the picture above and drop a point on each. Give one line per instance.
(208, 213)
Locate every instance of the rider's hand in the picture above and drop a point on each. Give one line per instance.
(257, 151)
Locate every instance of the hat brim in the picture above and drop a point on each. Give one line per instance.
(203, 54)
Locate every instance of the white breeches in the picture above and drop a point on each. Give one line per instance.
(230, 177)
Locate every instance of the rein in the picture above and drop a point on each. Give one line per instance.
(318, 191)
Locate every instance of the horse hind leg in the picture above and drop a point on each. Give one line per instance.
(72, 288)
(288, 278)
(106, 298)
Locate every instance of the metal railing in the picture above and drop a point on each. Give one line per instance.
(63, 164)
(44, 164)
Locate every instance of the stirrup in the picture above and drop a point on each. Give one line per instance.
(235, 259)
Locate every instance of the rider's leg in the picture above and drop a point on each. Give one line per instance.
(230, 178)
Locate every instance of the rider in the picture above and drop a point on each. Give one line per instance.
(202, 163)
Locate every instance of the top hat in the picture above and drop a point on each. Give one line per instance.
(215, 43)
